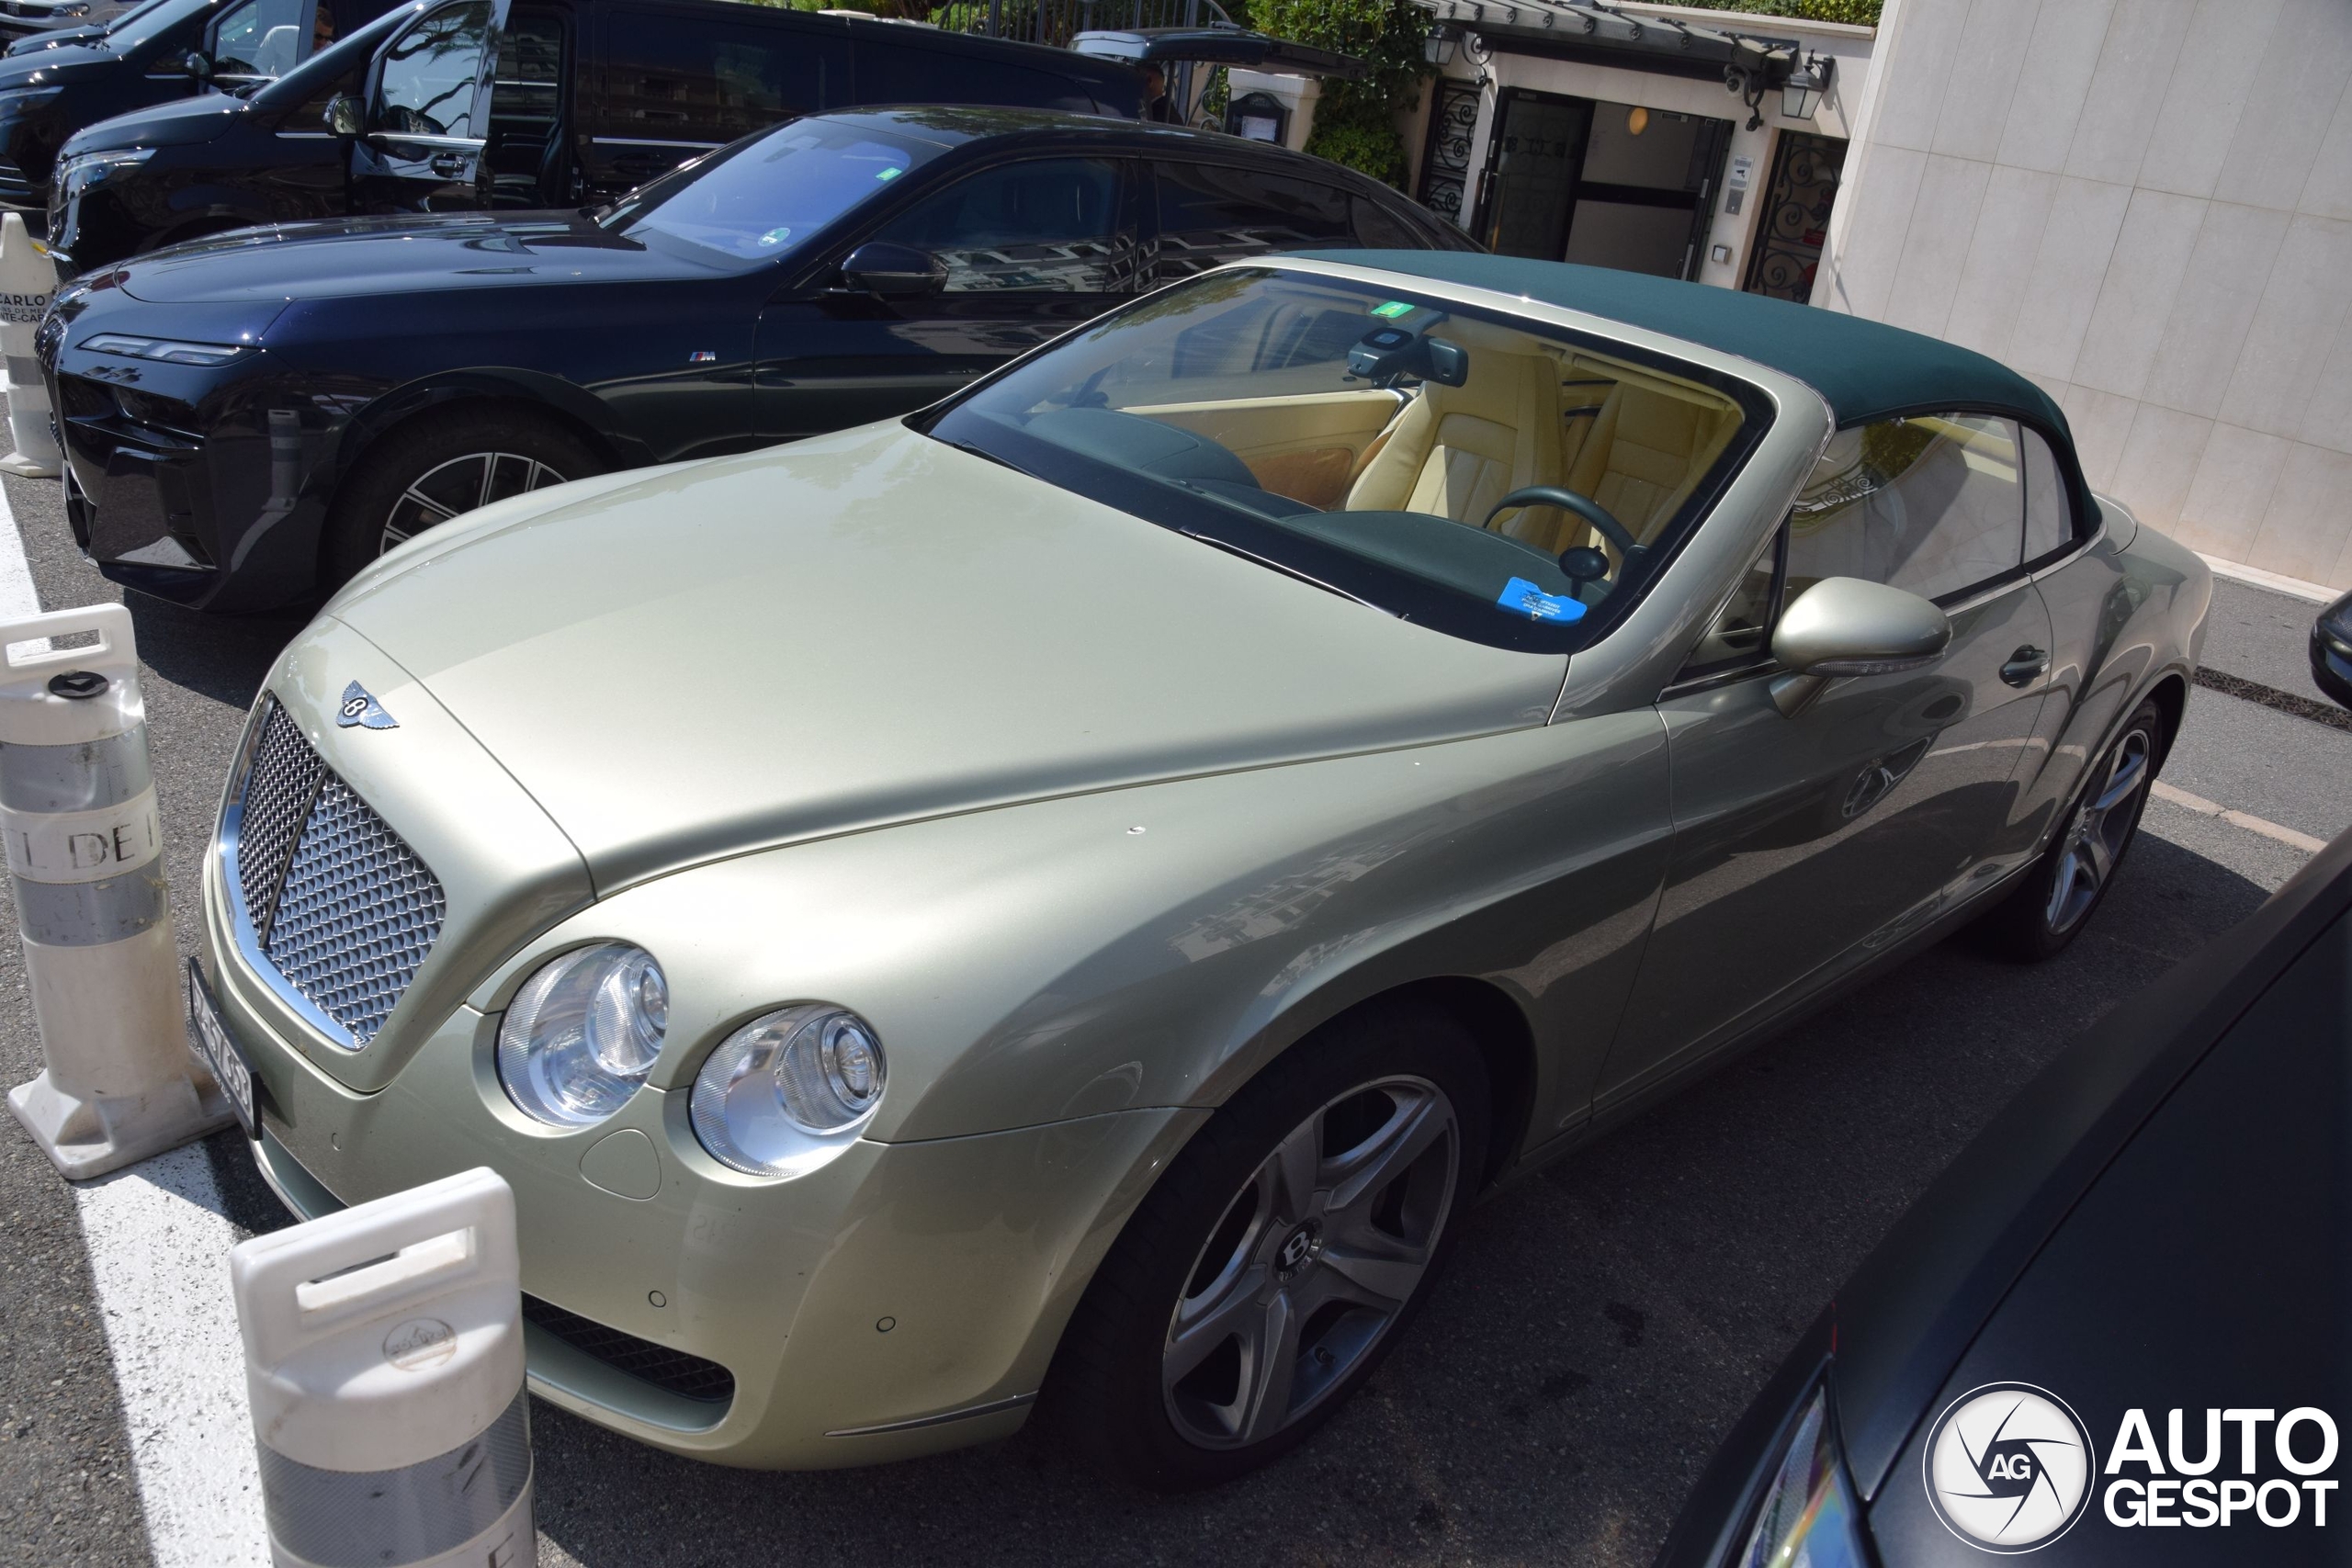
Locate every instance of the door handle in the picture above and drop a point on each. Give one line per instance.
(2026, 665)
(449, 165)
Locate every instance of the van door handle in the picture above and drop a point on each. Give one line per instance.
(2026, 666)
(449, 165)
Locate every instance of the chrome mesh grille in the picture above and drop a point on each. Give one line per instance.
(278, 791)
(346, 910)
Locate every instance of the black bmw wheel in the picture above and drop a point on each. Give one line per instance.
(2054, 900)
(441, 467)
(1278, 1261)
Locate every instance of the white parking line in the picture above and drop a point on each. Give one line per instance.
(2244, 819)
(159, 1254)
(158, 1242)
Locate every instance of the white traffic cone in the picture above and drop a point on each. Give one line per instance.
(28, 277)
(384, 1366)
(84, 852)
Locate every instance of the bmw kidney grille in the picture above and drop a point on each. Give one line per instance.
(339, 907)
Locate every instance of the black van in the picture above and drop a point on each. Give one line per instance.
(589, 98)
(162, 52)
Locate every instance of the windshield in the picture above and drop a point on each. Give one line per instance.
(341, 58)
(141, 23)
(768, 194)
(1506, 482)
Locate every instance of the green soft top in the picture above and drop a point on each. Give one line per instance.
(1865, 369)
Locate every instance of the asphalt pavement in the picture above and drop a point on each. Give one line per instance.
(1602, 1325)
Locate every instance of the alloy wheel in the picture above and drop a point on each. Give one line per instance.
(460, 485)
(2102, 825)
(1312, 1261)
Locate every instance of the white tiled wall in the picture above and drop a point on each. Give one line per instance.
(2147, 206)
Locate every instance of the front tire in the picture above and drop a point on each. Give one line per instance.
(2055, 902)
(440, 467)
(1275, 1264)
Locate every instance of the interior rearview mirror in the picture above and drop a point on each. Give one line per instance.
(1843, 625)
(345, 117)
(893, 272)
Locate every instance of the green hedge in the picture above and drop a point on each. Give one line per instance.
(1355, 122)
(1861, 13)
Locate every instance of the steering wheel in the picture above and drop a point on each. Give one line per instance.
(1566, 499)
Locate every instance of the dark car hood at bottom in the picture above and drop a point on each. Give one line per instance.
(352, 258)
(2193, 1302)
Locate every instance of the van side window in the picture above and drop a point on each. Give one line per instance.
(1210, 214)
(1049, 225)
(1934, 504)
(259, 39)
(899, 74)
(432, 73)
(669, 78)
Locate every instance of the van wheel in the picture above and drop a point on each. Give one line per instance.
(443, 465)
(1275, 1264)
(2054, 900)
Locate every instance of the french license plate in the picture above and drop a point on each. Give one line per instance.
(220, 1052)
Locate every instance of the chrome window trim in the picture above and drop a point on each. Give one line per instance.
(2000, 586)
(241, 932)
(2081, 547)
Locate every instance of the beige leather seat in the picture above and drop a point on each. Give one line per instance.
(1646, 453)
(1456, 451)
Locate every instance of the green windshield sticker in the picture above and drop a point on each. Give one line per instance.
(1394, 309)
(890, 173)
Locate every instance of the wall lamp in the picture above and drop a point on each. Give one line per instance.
(1801, 95)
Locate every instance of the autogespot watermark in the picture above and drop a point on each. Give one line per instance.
(2010, 1467)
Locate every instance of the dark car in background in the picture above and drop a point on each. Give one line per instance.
(2118, 1329)
(249, 418)
(460, 105)
(187, 54)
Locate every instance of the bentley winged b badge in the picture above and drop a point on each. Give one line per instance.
(358, 708)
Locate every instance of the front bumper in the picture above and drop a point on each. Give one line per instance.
(179, 488)
(902, 1300)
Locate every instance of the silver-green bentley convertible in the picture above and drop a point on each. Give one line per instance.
(1070, 896)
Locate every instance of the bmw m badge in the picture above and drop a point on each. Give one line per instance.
(358, 708)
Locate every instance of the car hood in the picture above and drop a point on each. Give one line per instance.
(873, 628)
(351, 257)
(60, 60)
(178, 122)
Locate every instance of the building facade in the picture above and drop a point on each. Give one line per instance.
(2147, 206)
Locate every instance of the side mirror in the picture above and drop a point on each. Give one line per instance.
(2332, 651)
(346, 116)
(197, 67)
(1843, 625)
(894, 272)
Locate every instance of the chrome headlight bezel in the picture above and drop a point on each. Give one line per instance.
(164, 350)
(785, 1091)
(1808, 1510)
(79, 172)
(581, 1034)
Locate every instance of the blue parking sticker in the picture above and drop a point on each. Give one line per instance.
(1525, 598)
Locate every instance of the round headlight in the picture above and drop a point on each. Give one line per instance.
(581, 1034)
(810, 1070)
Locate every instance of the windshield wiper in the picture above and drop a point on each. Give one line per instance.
(982, 453)
(1291, 571)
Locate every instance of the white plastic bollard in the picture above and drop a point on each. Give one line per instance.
(384, 1363)
(28, 277)
(84, 852)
